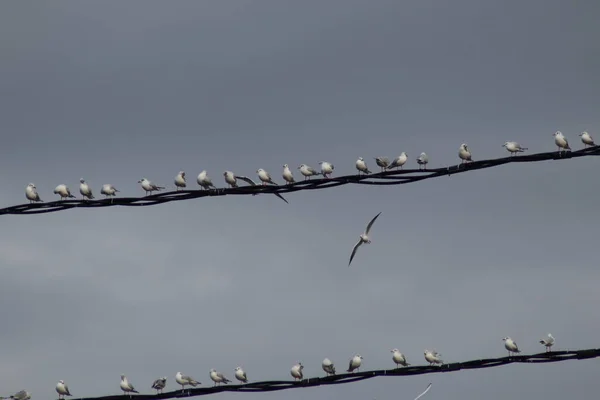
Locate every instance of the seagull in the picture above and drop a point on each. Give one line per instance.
(398, 161)
(185, 380)
(230, 178)
(63, 191)
(126, 386)
(85, 190)
(364, 238)
(382, 162)
(204, 181)
(288, 177)
(326, 168)
(149, 187)
(433, 357)
(561, 141)
(361, 166)
(423, 160)
(548, 342)
(464, 153)
(511, 346)
(307, 171)
(514, 147)
(264, 176)
(426, 390)
(399, 358)
(587, 139)
(240, 375)
(328, 367)
(296, 371)
(108, 190)
(180, 180)
(251, 182)
(354, 363)
(218, 377)
(32, 194)
(62, 389)
(20, 395)
(159, 384)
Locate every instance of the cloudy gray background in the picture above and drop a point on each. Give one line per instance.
(115, 91)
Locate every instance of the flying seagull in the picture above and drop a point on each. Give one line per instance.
(426, 390)
(364, 238)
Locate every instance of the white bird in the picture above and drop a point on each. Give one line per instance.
(31, 193)
(204, 181)
(548, 342)
(511, 346)
(426, 390)
(587, 139)
(218, 377)
(296, 371)
(364, 238)
(85, 190)
(108, 190)
(361, 166)
(62, 389)
(240, 375)
(127, 387)
(230, 178)
(355, 363)
(63, 191)
(307, 171)
(326, 168)
(20, 395)
(382, 162)
(561, 141)
(185, 380)
(159, 384)
(514, 147)
(149, 187)
(328, 367)
(433, 357)
(423, 160)
(464, 153)
(264, 176)
(399, 358)
(399, 161)
(180, 180)
(288, 176)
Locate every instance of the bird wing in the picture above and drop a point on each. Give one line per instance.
(356, 246)
(426, 390)
(371, 224)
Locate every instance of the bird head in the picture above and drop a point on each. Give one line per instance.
(394, 350)
(81, 180)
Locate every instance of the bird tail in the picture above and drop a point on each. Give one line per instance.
(367, 171)
(134, 391)
(523, 149)
(194, 383)
(406, 364)
(225, 380)
(161, 187)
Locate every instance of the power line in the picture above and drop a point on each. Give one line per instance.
(270, 386)
(393, 177)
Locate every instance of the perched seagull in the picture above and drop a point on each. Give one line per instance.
(108, 190)
(328, 367)
(548, 342)
(63, 191)
(399, 358)
(361, 166)
(180, 180)
(20, 395)
(288, 177)
(398, 161)
(159, 384)
(382, 162)
(307, 171)
(426, 390)
(62, 389)
(265, 177)
(204, 181)
(296, 371)
(511, 346)
(423, 160)
(126, 386)
(185, 380)
(326, 168)
(514, 147)
(85, 190)
(32, 194)
(240, 375)
(433, 357)
(230, 178)
(364, 238)
(149, 187)
(464, 153)
(218, 377)
(252, 183)
(561, 141)
(354, 363)
(587, 139)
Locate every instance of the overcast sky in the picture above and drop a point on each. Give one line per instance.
(114, 91)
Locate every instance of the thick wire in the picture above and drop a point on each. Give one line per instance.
(270, 386)
(393, 177)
